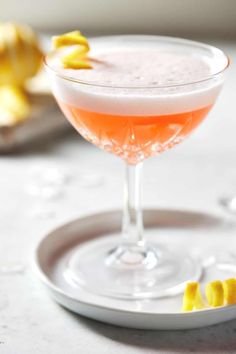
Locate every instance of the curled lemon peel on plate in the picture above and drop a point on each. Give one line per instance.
(77, 58)
(192, 299)
(218, 293)
(215, 293)
(229, 287)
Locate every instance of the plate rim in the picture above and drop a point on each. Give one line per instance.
(46, 280)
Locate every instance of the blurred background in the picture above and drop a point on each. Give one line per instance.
(170, 17)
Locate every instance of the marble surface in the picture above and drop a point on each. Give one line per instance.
(59, 180)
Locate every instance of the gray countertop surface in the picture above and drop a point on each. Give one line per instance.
(193, 176)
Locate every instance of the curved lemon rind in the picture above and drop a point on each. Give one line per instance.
(229, 286)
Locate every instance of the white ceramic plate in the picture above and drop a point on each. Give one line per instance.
(176, 227)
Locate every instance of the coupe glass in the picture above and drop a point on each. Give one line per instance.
(129, 266)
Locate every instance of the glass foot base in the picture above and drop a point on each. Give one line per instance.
(229, 204)
(130, 272)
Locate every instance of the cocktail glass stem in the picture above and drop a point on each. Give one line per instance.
(133, 252)
(132, 228)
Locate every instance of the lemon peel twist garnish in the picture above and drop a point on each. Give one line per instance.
(77, 58)
(192, 299)
(229, 287)
(70, 38)
(218, 293)
(215, 293)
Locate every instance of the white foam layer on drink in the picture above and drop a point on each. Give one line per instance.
(133, 75)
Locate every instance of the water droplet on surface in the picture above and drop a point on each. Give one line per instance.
(44, 191)
(229, 204)
(91, 180)
(42, 211)
(47, 181)
(11, 268)
(139, 77)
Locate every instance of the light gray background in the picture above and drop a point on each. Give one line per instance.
(172, 17)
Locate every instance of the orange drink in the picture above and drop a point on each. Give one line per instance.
(133, 138)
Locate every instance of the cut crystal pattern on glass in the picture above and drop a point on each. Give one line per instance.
(132, 149)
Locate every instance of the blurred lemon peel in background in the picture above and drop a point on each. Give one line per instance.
(218, 293)
(77, 58)
(14, 105)
(20, 60)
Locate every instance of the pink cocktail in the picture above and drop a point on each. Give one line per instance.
(144, 95)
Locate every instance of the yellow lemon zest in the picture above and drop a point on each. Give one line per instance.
(68, 39)
(229, 287)
(14, 105)
(192, 299)
(77, 58)
(75, 64)
(215, 293)
(218, 293)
